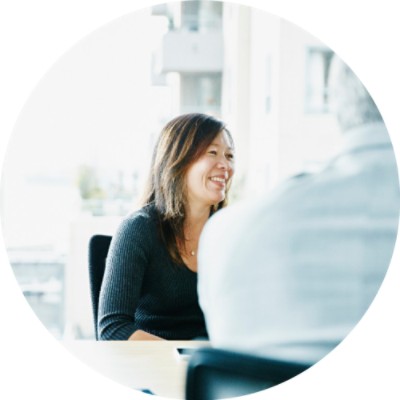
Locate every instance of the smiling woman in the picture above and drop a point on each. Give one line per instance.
(149, 290)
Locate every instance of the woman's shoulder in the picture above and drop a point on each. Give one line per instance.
(147, 212)
(143, 219)
(135, 235)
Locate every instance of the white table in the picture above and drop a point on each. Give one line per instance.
(152, 365)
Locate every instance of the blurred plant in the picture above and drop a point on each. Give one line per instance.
(88, 185)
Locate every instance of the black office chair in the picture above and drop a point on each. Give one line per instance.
(98, 249)
(217, 374)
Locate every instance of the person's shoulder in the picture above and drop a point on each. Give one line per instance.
(143, 219)
(275, 204)
(231, 216)
(147, 212)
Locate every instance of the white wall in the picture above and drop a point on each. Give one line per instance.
(236, 76)
(303, 138)
(265, 54)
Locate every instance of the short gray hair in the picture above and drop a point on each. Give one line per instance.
(349, 99)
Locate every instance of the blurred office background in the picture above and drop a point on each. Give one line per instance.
(81, 148)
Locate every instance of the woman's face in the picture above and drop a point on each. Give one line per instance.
(207, 178)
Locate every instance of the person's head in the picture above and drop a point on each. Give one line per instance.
(192, 163)
(349, 99)
(181, 170)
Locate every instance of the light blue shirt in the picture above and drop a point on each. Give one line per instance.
(289, 275)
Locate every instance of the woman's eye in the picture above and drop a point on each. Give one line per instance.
(230, 156)
(213, 152)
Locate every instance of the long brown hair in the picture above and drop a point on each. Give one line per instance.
(181, 142)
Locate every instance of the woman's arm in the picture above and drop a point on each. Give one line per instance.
(127, 260)
(142, 335)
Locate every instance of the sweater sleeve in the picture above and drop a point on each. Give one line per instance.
(128, 256)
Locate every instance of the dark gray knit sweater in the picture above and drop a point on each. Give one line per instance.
(144, 289)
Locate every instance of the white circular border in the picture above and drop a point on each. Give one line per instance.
(35, 34)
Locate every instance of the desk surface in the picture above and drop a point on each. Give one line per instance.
(139, 365)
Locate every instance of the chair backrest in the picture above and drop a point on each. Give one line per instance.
(98, 249)
(218, 374)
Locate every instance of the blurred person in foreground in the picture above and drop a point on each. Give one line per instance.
(289, 275)
(149, 291)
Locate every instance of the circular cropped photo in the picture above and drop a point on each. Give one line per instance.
(200, 200)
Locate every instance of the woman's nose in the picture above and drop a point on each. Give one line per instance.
(226, 168)
(223, 163)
